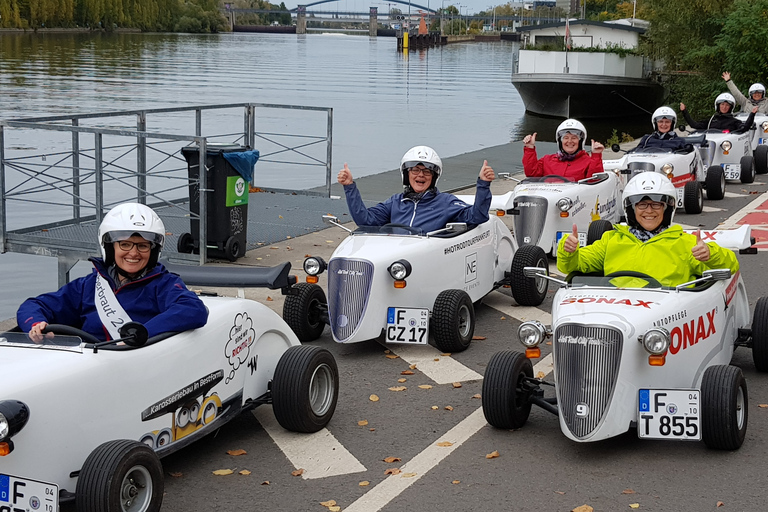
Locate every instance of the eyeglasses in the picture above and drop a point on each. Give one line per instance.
(416, 171)
(652, 206)
(429, 165)
(127, 245)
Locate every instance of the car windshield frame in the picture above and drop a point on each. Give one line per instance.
(12, 339)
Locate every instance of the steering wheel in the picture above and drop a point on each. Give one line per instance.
(409, 229)
(631, 273)
(68, 330)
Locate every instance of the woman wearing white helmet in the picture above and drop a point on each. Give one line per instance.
(570, 161)
(663, 136)
(756, 95)
(130, 237)
(723, 118)
(649, 243)
(420, 205)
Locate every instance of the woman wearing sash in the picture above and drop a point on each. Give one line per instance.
(127, 284)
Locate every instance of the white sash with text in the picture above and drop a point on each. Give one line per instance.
(111, 313)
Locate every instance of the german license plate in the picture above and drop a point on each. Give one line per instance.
(24, 494)
(407, 325)
(582, 238)
(669, 414)
(732, 171)
(680, 196)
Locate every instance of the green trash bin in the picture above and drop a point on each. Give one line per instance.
(227, 203)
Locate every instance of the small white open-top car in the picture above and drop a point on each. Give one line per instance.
(88, 421)
(653, 358)
(409, 286)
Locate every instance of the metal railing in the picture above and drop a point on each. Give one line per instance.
(59, 175)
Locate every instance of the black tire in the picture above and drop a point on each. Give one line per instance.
(305, 388)
(232, 248)
(185, 244)
(724, 407)
(528, 291)
(117, 470)
(453, 321)
(747, 169)
(761, 159)
(760, 335)
(596, 230)
(693, 198)
(505, 404)
(714, 183)
(302, 311)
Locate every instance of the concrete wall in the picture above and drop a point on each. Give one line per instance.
(581, 63)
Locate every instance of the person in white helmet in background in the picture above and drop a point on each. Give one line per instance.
(723, 118)
(570, 161)
(663, 120)
(127, 284)
(756, 95)
(649, 243)
(421, 205)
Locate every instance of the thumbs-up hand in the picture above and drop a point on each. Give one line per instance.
(530, 140)
(700, 251)
(572, 241)
(486, 172)
(345, 176)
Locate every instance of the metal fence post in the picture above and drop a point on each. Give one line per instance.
(3, 226)
(202, 187)
(99, 176)
(329, 153)
(141, 158)
(75, 171)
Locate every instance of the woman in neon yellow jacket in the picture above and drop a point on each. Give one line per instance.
(649, 244)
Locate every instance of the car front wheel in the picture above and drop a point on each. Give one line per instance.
(693, 198)
(761, 159)
(453, 321)
(715, 183)
(302, 311)
(597, 228)
(505, 403)
(528, 291)
(120, 476)
(747, 169)
(305, 388)
(723, 407)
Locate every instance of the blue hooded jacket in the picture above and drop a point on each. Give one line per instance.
(430, 213)
(160, 300)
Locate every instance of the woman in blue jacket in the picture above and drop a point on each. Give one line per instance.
(128, 284)
(420, 205)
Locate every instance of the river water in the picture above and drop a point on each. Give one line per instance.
(457, 98)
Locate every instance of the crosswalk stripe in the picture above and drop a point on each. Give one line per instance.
(441, 369)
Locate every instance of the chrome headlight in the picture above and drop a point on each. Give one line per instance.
(314, 265)
(765, 126)
(564, 204)
(656, 341)
(531, 333)
(399, 270)
(668, 169)
(13, 417)
(726, 145)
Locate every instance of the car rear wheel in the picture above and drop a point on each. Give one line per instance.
(528, 291)
(724, 409)
(302, 311)
(747, 169)
(505, 403)
(305, 388)
(760, 335)
(761, 159)
(597, 229)
(453, 321)
(120, 476)
(693, 198)
(715, 183)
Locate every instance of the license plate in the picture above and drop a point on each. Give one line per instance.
(732, 171)
(24, 494)
(407, 325)
(680, 196)
(582, 238)
(669, 414)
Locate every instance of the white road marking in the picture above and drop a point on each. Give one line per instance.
(390, 488)
(505, 304)
(734, 194)
(710, 209)
(319, 454)
(441, 369)
(734, 219)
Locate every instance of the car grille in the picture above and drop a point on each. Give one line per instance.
(530, 222)
(586, 366)
(349, 286)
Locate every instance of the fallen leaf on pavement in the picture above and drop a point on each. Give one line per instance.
(328, 503)
(457, 384)
(478, 337)
(627, 491)
(335, 508)
(390, 460)
(559, 492)
(434, 407)
(406, 372)
(541, 375)
(720, 504)
(364, 483)
(392, 356)
(269, 298)
(503, 318)
(298, 472)
(397, 388)
(265, 482)
(634, 505)
(362, 423)
(583, 508)
(448, 408)
(176, 474)
(409, 475)
(477, 395)
(236, 452)
(492, 455)
(437, 359)
(373, 398)
(425, 386)
(412, 367)
(445, 444)
(222, 472)
(456, 482)
(403, 379)
(392, 471)
(446, 354)
(387, 351)
(763, 406)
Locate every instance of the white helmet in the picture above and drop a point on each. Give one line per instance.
(651, 185)
(664, 113)
(421, 155)
(574, 127)
(725, 98)
(758, 87)
(126, 220)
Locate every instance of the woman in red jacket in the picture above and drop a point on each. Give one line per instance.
(571, 161)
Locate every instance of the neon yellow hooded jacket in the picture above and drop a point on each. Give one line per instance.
(666, 257)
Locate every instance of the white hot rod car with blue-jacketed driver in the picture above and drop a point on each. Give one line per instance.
(88, 421)
(653, 358)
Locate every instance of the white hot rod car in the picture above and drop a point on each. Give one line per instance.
(88, 421)
(653, 358)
